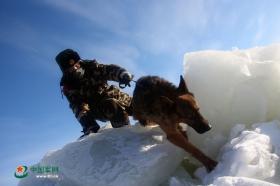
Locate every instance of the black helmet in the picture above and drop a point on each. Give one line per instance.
(64, 57)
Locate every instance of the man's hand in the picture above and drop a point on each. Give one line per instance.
(125, 78)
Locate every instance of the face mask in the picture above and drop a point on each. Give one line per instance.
(75, 74)
(79, 73)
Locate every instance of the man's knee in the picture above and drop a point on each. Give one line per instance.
(115, 113)
(109, 107)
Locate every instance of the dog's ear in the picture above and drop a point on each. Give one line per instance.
(182, 89)
(166, 102)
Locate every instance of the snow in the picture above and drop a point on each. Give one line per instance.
(233, 87)
(240, 181)
(124, 156)
(239, 86)
(238, 92)
(251, 154)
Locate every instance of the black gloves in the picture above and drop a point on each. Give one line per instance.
(125, 78)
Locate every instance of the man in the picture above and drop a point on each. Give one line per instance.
(84, 83)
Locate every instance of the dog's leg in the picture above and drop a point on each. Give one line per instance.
(177, 138)
(143, 122)
(183, 132)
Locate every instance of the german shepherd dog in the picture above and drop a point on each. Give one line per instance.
(159, 101)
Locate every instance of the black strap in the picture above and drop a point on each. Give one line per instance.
(123, 85)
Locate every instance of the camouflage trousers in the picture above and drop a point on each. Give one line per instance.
(114, 106)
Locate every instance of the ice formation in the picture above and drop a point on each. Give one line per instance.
(233, 87)
(124, 156)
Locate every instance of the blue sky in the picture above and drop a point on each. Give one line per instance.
(145, 37)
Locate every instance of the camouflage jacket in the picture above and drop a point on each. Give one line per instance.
(93, 87)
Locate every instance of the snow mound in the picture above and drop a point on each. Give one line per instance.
(249, 158)
(236, 89)
(124, 156)
(238, 86)
(240, 181)
(253, 154)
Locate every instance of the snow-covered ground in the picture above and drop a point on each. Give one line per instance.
(238, 92)
(124, 156)
(251, 153)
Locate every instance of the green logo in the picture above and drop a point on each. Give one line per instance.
(38, 170)
(21, 172)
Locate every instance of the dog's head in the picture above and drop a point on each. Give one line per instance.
(186, 108)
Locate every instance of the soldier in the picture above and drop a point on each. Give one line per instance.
(84, 83)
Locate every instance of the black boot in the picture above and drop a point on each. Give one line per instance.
(89, 131)
(89, 125)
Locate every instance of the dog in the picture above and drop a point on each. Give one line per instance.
(159, 101)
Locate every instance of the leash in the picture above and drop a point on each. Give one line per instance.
(123, 85)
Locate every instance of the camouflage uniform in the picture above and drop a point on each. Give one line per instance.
(91, 98)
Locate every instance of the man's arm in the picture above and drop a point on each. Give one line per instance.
(76, 102)
(81, 109)
(113, 72)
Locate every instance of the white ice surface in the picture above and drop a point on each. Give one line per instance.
(240, 181)
(253, 154)
(236, 89)
(123, 156)
(239, 86)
